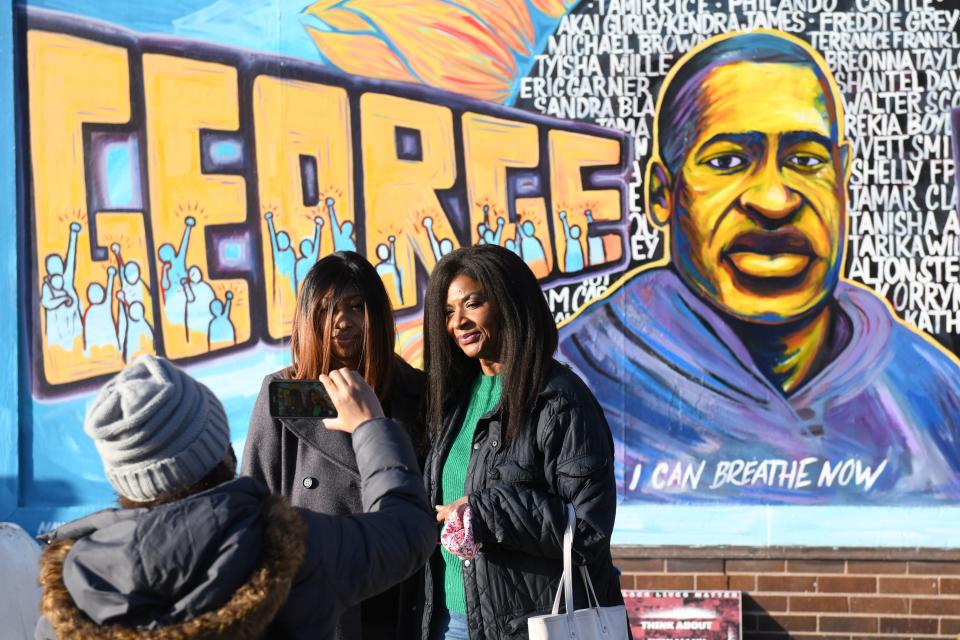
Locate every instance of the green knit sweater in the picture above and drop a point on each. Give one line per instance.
(483, 398)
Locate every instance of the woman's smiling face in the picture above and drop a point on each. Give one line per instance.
(472, 319)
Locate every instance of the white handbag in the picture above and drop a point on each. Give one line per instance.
(593, 623)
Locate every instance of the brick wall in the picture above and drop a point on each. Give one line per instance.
(849, 594)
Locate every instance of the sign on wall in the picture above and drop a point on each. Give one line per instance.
(684, 615)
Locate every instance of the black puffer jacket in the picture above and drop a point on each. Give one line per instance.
(517, 492)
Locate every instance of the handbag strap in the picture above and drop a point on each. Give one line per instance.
(566, 581)
(591, 594)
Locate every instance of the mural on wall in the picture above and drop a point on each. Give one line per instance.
(762, 375)
(228, 213)
(757, 274)
(200, 182)
(796, 341)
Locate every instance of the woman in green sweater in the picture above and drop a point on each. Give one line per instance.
(515, 436)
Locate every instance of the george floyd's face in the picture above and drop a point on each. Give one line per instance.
(757, 208)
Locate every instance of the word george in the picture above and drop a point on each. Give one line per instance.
(204, 182)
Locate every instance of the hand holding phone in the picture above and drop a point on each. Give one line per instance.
(353, 398)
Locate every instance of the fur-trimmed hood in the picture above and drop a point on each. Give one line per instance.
(219, 564)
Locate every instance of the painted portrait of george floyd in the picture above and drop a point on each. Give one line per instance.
(744, 367)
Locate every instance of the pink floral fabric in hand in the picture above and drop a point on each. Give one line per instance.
(457, 534)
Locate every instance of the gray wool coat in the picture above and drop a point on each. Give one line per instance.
(317, 470)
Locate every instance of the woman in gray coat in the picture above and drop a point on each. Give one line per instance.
(343, 318)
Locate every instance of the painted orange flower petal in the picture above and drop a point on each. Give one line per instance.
(361, 54)
(466, 47)
(339, 19)
(444, 45)
(510, 19)
(553, 8)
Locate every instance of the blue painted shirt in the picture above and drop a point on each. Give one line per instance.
(695, 421)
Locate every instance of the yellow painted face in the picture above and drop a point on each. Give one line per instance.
(758, 205)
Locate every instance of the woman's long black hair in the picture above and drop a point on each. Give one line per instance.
(527, 336)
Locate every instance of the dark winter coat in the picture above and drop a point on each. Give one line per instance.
(316, 469)
(237, 562)
(517, 493)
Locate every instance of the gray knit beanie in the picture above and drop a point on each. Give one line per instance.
(157, 429)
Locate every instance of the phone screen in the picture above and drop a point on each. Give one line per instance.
(300, 399)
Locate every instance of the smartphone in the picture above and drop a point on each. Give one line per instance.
(300, 399)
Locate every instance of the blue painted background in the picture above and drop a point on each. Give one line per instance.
(9, 379)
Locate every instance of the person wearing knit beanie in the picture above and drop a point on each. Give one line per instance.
(203, 554)
(157, 429)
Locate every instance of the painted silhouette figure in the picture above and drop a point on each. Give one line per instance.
(284, 258)
(513, 244)
(58, 307)
(493, 237)
(530, 248)
(485, 233)
(440, 247)
(309, 250)
(221, 331)
(387, 267)
(173, 264)
(130, 282)
(175, 307)
(483, 228)
(123, 320)
(481, 233)
(595, 251)
(99, 328)
(498, 234)
(58, 296)
(135, 333)
(573, 254)
(434, 243)
(342, 233)
(199, 296)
